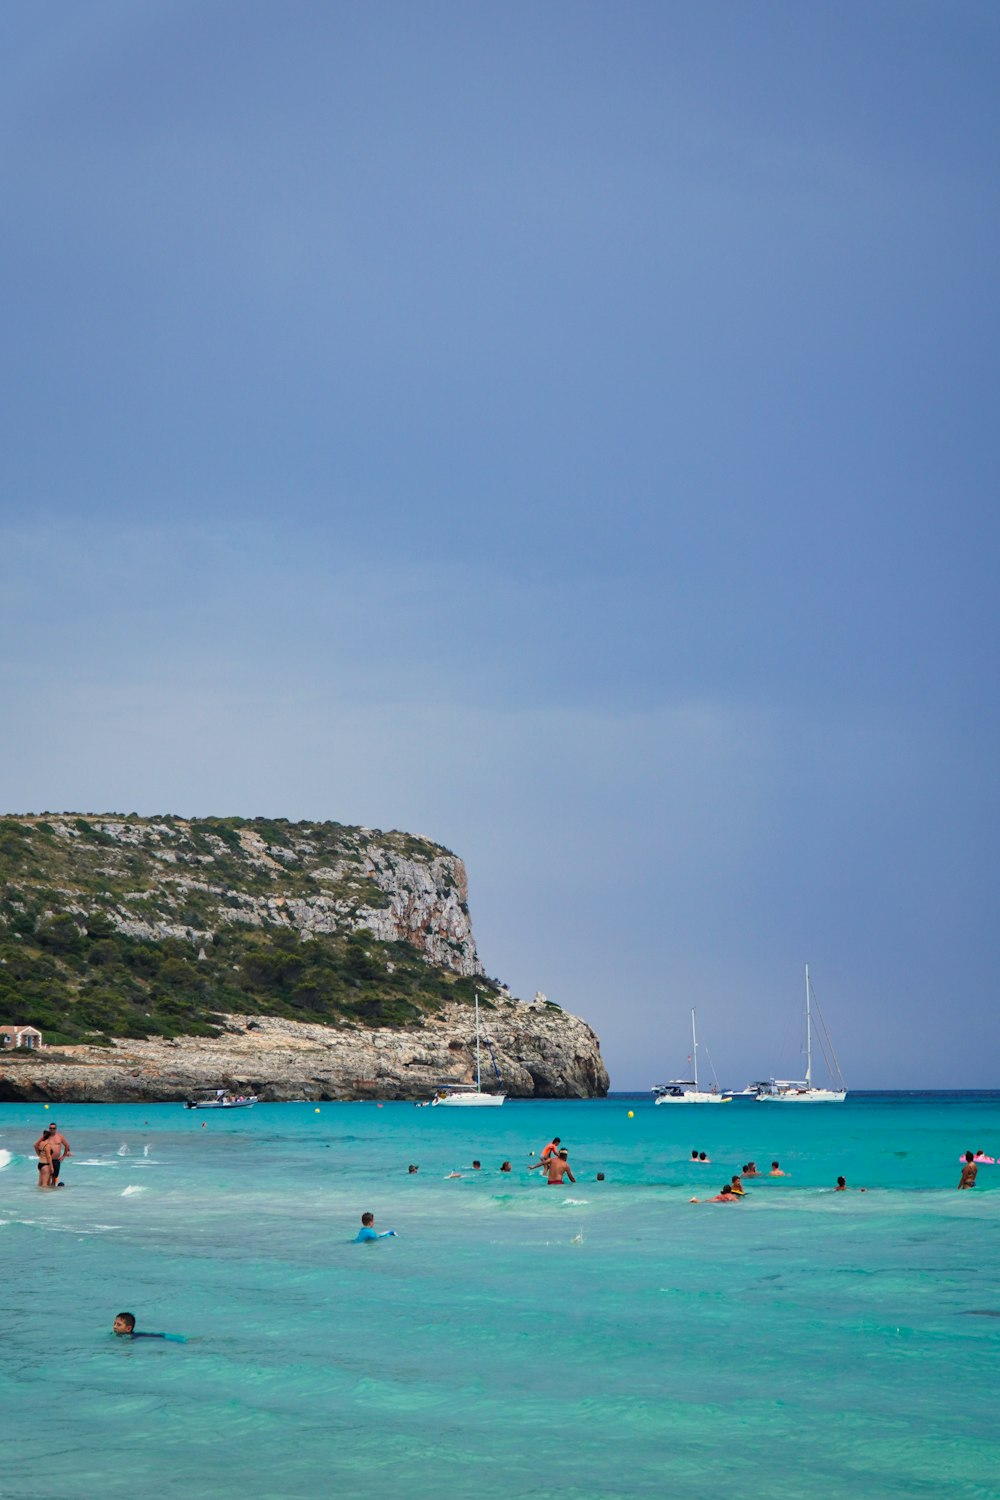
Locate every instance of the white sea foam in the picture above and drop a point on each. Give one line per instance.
(6, 1157)
(576, 1201)
(93, 1161)
(123, 1149)
(127, 1192)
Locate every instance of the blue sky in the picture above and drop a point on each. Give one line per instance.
(563, 430)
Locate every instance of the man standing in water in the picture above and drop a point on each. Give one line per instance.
(558, 1168)
(969, 1171)
(58, 1148)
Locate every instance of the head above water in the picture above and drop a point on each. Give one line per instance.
(368, 1219)
(124, 1323)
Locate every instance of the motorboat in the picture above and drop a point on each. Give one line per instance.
(221, 1099)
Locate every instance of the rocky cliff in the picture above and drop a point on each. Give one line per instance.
(539, 1051)
(158, 955)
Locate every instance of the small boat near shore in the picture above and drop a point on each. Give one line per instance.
(221, 1099)
(472, 1095)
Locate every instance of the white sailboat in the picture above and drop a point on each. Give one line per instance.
(803, 1091)
(468, 1095)
(686, 1090)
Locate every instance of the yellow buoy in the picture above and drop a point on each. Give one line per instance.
(315, 1111)
(46, 1106)
(631, 1114)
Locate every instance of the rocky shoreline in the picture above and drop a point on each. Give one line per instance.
(541, 1051)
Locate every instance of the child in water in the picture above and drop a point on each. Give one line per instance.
(124, 1327)
(369, 1232)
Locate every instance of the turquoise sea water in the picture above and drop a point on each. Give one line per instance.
(602, 1340)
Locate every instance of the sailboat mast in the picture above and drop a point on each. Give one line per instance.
(478, 1084)
(694, 1044)
(809, 1052)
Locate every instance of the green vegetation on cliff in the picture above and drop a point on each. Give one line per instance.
(131, 927)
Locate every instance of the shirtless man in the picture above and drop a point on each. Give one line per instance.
(59, 1148)
(968, 1177)
(776, 1171)
(724, 1195)
(557, 1168)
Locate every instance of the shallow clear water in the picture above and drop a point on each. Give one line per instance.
(608, 1339)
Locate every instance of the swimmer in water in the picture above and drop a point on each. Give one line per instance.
(841, 1185)
(750, 1170)
(368, 1231)
(738, 1187)
(124, 1327)
(776, 1171)
(505, 1166)
(968, 1177)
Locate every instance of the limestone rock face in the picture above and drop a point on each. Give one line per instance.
(319, 878)
(540, 1050)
